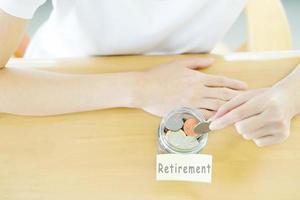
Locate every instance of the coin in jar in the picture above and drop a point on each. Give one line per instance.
(189, 126)
(174, 123)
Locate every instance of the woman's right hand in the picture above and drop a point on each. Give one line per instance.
(178, 83)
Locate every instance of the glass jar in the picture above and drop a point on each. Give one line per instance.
(165, 146)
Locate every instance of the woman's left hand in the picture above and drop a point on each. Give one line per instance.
(262, 115)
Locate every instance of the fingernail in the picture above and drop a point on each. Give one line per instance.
(212, 118)
(213, 126)
(244, 85)
(216, 125)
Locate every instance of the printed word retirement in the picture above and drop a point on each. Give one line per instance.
(183, 169)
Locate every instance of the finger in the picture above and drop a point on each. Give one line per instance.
(194, 63)
(207, 113)
(230, 105)
(244, 111)
(258, 134)
(252, 124)
(211, 104)
(240, 99)
(265, 140)
(220, 93)
(219, 81)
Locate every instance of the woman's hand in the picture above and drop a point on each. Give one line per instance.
(178, 83)
(264, 115)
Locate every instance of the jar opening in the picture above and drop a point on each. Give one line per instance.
(175, 134)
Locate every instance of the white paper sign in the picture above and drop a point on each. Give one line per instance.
(184, 167)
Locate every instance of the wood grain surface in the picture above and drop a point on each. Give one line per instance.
(110, 154)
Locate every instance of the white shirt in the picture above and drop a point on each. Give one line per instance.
(78, 28)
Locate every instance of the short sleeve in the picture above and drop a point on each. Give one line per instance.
(21, 8)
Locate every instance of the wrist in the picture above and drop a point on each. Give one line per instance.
(288, 88)
(136, 86)
(140, 95)
(116, 89)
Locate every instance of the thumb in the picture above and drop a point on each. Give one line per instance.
(195, 63)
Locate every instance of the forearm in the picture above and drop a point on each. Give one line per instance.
(35, 92)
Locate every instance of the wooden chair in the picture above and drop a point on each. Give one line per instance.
(20, 51)
(267, 28)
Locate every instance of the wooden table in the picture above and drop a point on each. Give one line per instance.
(110, 154)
